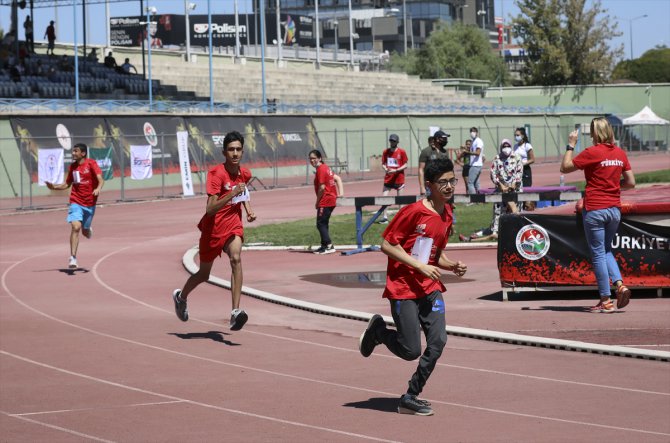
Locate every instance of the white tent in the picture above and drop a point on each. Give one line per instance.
(645, 117)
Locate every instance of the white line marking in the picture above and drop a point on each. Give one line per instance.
(193, 402)
(531, 377)
(59, 428)
(306, 379)
(64, 411)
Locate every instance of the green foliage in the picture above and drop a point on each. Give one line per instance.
(454, 52)
(567, 43)
(652, 67)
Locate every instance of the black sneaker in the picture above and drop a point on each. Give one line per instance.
(321, 250)
(409, 404)
(368, 339)
(237, 319)
(329, 249)
(180, 307)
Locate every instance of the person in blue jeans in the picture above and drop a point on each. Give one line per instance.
(603, 164)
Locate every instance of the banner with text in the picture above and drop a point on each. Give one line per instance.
(141, 164)
(547, 250)
(50, 166)
(184, 163)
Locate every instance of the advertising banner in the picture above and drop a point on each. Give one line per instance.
(158, 132)
(184, 163)
(33, 133)
(169, 30)
(550, 250)
(50, 166)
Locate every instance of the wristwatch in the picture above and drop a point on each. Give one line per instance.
(569, 148)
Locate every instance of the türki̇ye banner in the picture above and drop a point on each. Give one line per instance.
(546, 250)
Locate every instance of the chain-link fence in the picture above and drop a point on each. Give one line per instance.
(276, 158)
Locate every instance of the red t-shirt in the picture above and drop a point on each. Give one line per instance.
(412, 221)
(82, 189)
(394, 160)
(228, 218)
(324, 176)
(603, 165)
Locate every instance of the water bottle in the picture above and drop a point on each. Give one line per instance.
(562, 182)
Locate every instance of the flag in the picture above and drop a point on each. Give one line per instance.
(103, 156)
(50, 166)
(141, 167)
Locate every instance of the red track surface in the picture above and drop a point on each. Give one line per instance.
(100, 355)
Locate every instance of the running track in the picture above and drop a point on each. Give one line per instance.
(100, 356)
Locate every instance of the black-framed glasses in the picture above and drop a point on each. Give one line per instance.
(444, 183)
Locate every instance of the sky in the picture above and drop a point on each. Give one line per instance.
(647, 32)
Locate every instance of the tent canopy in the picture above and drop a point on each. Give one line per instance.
(645, 117)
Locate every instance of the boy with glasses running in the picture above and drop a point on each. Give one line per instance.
(414, 242)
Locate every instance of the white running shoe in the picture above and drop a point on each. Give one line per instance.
(73, 263)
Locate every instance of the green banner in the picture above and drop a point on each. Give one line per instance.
(104, 158)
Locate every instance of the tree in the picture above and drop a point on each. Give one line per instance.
(652, 67)
(565, 42)
(454, 52)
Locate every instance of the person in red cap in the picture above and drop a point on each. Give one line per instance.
(394, 163)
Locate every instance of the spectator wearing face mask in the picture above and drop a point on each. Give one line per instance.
(436, 149)
(506, 175)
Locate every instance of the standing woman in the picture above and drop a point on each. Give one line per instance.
(525, 151)
(603, 165)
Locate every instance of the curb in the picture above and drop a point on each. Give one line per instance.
(479, 334)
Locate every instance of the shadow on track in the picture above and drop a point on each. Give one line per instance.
(211, 335)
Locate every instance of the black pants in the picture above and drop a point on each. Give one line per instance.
(527, 177)
(411, 317)
(322, 220)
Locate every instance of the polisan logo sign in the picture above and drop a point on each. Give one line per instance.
(532, 242)
(224, 28)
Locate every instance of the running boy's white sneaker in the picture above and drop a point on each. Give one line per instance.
(73, 262)
(237, 319)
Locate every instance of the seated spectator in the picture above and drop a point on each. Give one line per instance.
(23, 52)
(65, 65)
(110, 61)
(16, 71)
(126, 67)
(92, 56)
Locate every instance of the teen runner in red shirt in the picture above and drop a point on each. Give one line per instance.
(327, 186)
(394, 163)
(414, 243)
(85, 178)
(221, 227)
(603, 165)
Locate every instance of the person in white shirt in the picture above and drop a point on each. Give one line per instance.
(476, 161)
(525, 151)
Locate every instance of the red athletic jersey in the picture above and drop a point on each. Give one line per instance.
(324, 176)
(411, 222)
(228, 218)
(603, 165)
(82, 189)
(398, 158)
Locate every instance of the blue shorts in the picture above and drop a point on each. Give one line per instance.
(83, 214)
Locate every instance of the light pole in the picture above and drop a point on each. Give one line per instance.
(318, 37)
(279, 39)
(351, 39)
(482, 12)
(404, 24)
(335, 23)
(187, 8)
(237, 32)
(630, 25)
(151, 10)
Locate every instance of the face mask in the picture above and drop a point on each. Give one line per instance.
(441, 142)
(518, 138)
(473, 135)
(506, 152)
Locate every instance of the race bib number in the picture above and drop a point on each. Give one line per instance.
(392, 162)
(421, 249)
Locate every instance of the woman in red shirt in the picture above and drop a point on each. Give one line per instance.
(603, 164)
(327, 186)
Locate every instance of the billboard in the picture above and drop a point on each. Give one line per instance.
(169, 30)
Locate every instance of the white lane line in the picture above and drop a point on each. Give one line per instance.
(193, 402)
(337, 348)
(306, 379)
(65, 411)
(58, 428)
